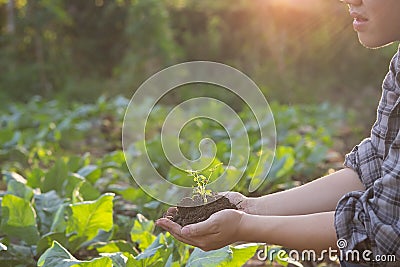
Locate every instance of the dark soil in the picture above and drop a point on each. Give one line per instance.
(188, 210)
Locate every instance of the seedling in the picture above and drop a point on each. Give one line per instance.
(203, 202)
(201, 181)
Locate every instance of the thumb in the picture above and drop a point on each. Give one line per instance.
(234, 197)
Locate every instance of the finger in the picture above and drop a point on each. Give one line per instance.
(175, 230)
(234, 197)
(196, 240)
(205, 243)
(225, 193)
(229, 195)
(172, 210)
(170, 213)
(169, 225)
(206, 227)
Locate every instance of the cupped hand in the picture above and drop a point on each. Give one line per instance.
(221, 229)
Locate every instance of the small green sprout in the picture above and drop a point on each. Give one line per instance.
(201, 181)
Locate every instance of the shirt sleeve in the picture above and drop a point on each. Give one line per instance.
(372, 217)
(365, 160)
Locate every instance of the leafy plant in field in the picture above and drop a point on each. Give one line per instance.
(56, 230)
(66, 195)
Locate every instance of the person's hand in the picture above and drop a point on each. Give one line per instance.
(246, 204)
(221, 229)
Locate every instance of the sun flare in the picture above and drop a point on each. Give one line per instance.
(295, 4)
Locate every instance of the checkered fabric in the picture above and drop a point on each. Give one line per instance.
(370, 219)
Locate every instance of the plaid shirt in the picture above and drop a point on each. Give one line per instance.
(370, 219)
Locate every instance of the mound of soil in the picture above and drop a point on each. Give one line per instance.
(194, 210)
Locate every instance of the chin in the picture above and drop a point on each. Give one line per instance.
(374, 44)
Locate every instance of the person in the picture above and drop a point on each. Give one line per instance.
(359, 204)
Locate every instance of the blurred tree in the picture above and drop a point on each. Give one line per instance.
(33, 58)
(297, 53)
(149, 44)
(96, 34)
(10, 17)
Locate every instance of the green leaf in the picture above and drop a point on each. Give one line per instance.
(180, 252)
(91, 172)
(19, 189)
(55, 177)
(119, 259)
(141, 232)
(132, 194)
(242, 253)
(46, 241)
(273, 254)
(157, 253)
(47, 205)
(74, 162)
(58, 256)
(318, 154)
(19, 219)
(8, 176)
(226, 256)
(6, 138)
(88, 217)
(77, 188)
(113, 159)
(200, 258)
(114, 246)
(180, 177)
(132, 262)
(258, 169)
(35, 178)
(99, 262)
(102, 236)
(72, 181)
(59, 223)
(286, 153)
(17, 255)
(88, 191)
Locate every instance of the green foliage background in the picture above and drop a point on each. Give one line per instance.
(68, 199)
(80, 49)
(68, 68)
